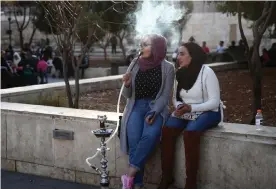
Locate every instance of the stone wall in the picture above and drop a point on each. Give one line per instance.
(102, 72)
(232, 156)
(34, 93)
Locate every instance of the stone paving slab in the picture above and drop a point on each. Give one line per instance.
(15, 180)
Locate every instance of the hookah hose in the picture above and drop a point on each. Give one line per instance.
(118, 121)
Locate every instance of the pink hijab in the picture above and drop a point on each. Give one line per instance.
(158, 52)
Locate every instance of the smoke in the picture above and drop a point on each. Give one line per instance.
(159, 17)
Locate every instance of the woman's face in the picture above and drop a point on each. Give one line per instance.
(183, 58)
(146, 47)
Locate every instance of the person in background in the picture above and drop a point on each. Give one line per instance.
(48, 51)
(113, 42)
(197, 108)
(272, 54)
(28, 74)
(192, 39)
(148, 87)
(4, 63)
(205, 48)
(84, 64)
(9, 53)
(265, 57)
(241, 43)
(220, 48)
(16, 59)
(6, 74)
(42, 70)
(50, 66)
(233, 45)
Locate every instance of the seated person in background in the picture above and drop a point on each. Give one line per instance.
(233, 45)
(220, 48)
(197, 108)
(28, 74)
(272, 54)
(205, 48)
(265, 57)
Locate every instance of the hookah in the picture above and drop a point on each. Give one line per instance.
(104, 133)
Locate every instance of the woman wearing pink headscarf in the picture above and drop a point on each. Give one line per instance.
(148, 87)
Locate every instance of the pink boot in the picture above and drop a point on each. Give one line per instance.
(127, 182)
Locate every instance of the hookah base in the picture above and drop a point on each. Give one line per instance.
(104, 185)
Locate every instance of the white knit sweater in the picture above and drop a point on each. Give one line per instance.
(207, 82)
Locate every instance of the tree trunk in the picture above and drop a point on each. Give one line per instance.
(105, 54)
(77, 84)
(66, 80)
(21, 39)
(32, 36)
(256, 75)
(122, 47)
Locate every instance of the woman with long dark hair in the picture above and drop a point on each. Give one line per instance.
(196, 101)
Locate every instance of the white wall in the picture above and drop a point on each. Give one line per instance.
(213, 27)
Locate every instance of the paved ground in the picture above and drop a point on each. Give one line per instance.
(14, 180)
(54, 80)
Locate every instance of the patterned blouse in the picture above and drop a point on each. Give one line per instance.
(148, 83)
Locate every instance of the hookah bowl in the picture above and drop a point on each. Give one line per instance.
(103, 133)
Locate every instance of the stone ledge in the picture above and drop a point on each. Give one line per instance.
(35, 88)
(224, 66)
(233, 156)
(221, 64)
(244, 132)
(56, 111)
(233, 130)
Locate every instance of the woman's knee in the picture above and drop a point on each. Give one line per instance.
(153, 133)
(175, 122)
(152, 137)
(205, 121)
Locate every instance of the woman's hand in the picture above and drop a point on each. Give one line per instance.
(127, 79)
(150, 119)
(182, 109)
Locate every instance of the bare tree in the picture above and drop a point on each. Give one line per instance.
(260, 25)
(65, 17)
(25, 11)
(121, 36)
(118, 20)
(104, 42)
(181, 23)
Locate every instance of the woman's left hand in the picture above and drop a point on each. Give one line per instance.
(185, 108)
(150, 119)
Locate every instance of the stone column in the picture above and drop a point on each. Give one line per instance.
(233, 33)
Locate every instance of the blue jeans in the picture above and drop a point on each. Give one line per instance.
(205, 121)
(43, 75)
(142, 138)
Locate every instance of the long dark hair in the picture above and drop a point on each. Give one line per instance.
(186, 77)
